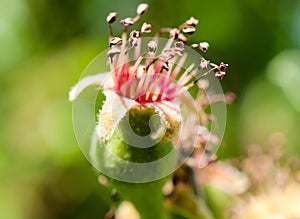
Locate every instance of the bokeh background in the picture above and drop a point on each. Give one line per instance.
(44, 47)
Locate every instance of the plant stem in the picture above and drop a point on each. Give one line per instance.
(146, 197)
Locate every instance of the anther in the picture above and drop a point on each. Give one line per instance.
(127, 22)
(182, 38)
(115, 41)
(165, 66)
(142, 8)
(179, 45)
(204, 63)
(192, 22)
(152, 47)
(188, 29)
(174, 33)
(133, 39)
(221, 70)
(204, 46)
(111, 17)
(146, 28)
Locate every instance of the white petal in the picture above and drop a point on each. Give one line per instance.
(85, 82)
(113, 110)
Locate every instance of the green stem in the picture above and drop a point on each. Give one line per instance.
(145, 169)
(146, 197)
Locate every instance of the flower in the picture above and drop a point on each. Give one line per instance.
(275, 188)
(155, 102)
(147, 88)
(273, 203)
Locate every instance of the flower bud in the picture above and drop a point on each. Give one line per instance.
(141, 133)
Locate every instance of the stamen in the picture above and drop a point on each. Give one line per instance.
(133, 40)
(179, 66)
(111, 18)
(228, 98)
(152, 47)
(137, 50)
(164, 30)
(133, 88)
(115, 41)
(113, 51)
(201, 76)
(161, 70)
(139, 91)
(204, 46)
(192, 22)
(179, 45)
(221, 70)
(204, 63)
(122, 72)
(194, 46)
(182, 38)
(112, 57)
(141, 9)
(165, 66)
(146, 68)
(220, 73)
(146, 28)
(145, 91)
(137, 64)
(189, 30)
(183, 78)
(127, 22)
(179, 48)
(154, 87)
(174, 33)
(191, 75)
(134, 35)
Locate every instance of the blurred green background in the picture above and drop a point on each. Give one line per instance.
(46, 44)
